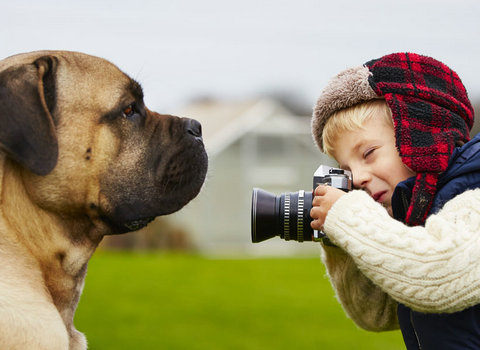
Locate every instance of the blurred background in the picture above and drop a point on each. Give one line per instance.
(250, 71)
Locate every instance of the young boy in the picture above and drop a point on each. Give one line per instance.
(405, 246)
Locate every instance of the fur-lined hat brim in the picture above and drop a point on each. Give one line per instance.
(344, 90)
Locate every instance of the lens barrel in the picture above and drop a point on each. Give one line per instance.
(286, 215)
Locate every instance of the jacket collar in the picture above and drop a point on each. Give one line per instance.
(457, 165)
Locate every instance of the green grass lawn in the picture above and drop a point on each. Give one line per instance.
(162, 301)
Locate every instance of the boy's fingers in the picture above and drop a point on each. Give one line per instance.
(319, 194)
(317, 224)
(316, 201)
(321, 190)
(318, 214)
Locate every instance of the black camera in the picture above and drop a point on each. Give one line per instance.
(288, 215)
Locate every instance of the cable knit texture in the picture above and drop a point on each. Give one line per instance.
(364, 302)
(428, 269)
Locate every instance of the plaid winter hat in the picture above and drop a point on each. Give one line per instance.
(430, 109)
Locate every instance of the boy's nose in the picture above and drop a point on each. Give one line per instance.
(360, 179)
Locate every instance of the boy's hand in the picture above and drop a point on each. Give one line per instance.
(324, 198)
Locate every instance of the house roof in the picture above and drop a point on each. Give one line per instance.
(224, 122)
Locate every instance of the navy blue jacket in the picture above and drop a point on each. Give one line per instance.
(460, 330)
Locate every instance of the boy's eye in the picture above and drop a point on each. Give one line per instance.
(368, 152)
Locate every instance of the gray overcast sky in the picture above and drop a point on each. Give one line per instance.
(180, 49)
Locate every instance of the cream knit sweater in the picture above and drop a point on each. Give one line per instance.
(379, 261)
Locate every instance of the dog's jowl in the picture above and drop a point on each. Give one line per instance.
(81, 156)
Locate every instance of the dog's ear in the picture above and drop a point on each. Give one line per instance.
(27, 128)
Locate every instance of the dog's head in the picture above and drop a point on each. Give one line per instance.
(77, 131)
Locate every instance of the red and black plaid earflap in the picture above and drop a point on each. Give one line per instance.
(431, 114)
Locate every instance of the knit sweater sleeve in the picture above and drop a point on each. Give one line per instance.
(364, 302)
(435, 268)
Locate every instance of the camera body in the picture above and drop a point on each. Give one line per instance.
(288, 215)
(335, 177)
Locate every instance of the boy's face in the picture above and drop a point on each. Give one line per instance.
(371, 155)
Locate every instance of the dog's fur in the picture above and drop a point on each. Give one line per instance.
(80, 157)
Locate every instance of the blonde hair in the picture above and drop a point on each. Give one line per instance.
(351, 119)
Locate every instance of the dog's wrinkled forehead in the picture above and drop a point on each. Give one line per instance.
(103, 85)
(81, 77)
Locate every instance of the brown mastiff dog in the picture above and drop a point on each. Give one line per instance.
(81, 157)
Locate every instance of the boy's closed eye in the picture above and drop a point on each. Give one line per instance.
(368, 152)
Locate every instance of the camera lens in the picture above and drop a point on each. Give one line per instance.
(286, 215)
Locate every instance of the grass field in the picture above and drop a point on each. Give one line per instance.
(163, 301)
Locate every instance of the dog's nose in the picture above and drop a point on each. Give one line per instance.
(193, 127)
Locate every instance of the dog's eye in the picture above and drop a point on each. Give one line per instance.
(129, 111)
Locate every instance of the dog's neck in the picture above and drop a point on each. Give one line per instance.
(41, 236)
